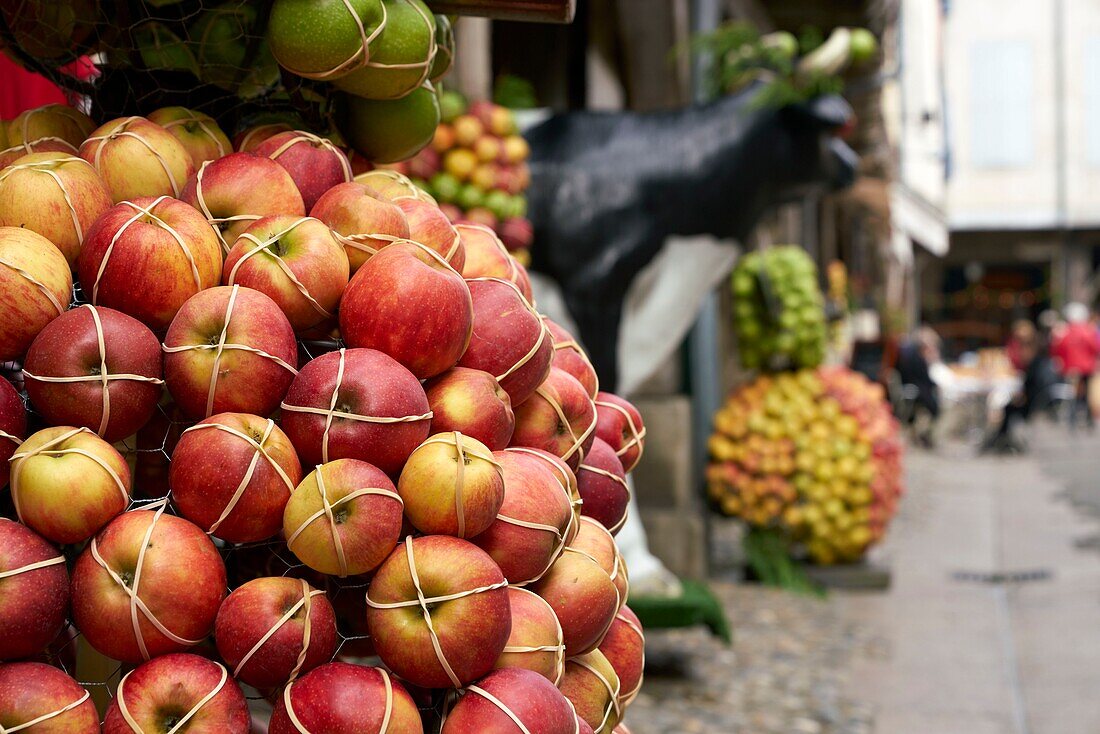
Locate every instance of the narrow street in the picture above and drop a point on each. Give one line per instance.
(989, 627)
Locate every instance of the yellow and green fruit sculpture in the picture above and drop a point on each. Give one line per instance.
(778, 311)
(814, 453)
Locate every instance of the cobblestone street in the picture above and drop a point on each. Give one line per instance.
(989, 626)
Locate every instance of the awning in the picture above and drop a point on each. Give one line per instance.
(918, 219)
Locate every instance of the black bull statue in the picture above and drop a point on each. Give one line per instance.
(607, 189)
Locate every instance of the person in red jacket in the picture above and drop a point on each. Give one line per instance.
(1075, 350)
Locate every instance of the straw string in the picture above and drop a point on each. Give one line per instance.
(332, 413)
(46, 717)
(122, 708)
(104, 377)
(424, 602)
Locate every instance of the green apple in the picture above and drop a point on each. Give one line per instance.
(401, 57)
(320, 39)
(387, 131)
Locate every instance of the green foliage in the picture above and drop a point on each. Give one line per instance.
(515, 93)
(740, 55)
(768, 554)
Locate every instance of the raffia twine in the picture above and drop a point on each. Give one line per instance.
(306, 605)
(424, 602)
(614, 478)
(137, 606)
(183, 722)
(637, 437)
(123, 131)
(46, 167)
(140, 212)
(463, 448)
(262, 245)
(47, 449)
(37, 565)
(47, 716)
(104, 378)
(544, 332)
(217, 222)
(359, 58)
(613, 706)
(628, 696)
(258, 451)
(331, 413)
(201, 120)
(558, 649)
(42, 287)
(28, 147)
(387, 714)
(577, 441)
(301, 136)
(219, 350)
(327, 511)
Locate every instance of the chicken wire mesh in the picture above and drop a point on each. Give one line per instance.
(117, 58)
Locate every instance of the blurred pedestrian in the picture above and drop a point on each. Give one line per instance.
(1075, 349)
(1039, 380)
(916, 354)
(1023, 332)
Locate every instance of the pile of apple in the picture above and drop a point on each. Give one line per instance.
(340, 376)
(778, 309)
(816, 453)
(476, 169)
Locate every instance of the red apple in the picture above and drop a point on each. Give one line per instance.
(275, 629)
(486, 257)
(35, 596)
(429, 226)
(584, 596)
(624, 648)
(37, 287)
(196, 131)
(509, 340)
(13, 426)
(294, 260)
(247, 140)
(438, 611)
(620, 424)
(43, 145)
(621, 729)
(498, 700)
(239, 189)
(340, 697)
(530, 530)
(57, 121)
(343, 519)
(408, 302)
(582, 725)
(602, 484)
(232, 475)
(591, 684)
(315, 164)
(97, 368)
(357, 404)
(67, 483)
(517, 234)
(451, 485)
(569, 356)
(535, 642)
(559, 418)
(392, 185)
(57, 195)
(567, 479)
(596, 541)
(471, 401)
(148, 585)
(163, 693)
(146, 257)
(36, 692)
(363, 221)
(229, 349)
(137, 158)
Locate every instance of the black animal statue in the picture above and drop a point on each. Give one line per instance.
(607, 189)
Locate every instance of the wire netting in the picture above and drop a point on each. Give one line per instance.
(128, 57)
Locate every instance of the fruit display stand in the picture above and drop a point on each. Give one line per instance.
(809, 457)
(284, 442)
